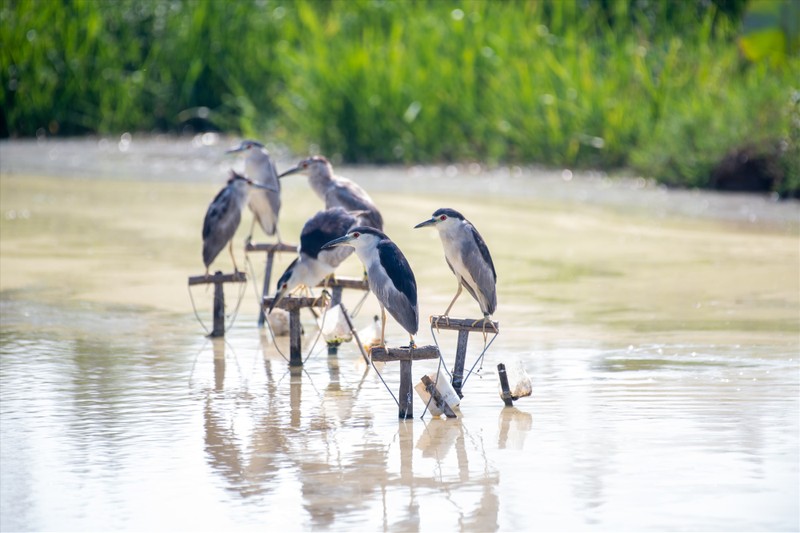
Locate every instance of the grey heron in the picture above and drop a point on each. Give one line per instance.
(389, 276)
(468, 257)
(313, 264)
(264, 203)
(336, 190)
(223, 217)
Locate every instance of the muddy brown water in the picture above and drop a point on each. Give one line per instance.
(660, 329)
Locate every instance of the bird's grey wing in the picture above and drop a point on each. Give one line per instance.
(221, 221)
(351, 196)
(401, 298)
(479, 263)
(266, 204)
(273, 196)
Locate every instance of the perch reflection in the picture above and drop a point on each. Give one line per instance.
(514, 427)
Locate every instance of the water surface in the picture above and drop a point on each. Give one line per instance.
(661, 331)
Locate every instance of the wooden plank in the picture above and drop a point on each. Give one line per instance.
(380, 353)
(346, 283)
(463, 324)
(271, 247)
(290, 303)
(218, 277)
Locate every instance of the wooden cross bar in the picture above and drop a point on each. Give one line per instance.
(293, 305)
(271, 249)
(218, 278)
(405, 356)
(464, 326)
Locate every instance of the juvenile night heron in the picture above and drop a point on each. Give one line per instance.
(223, 217)
(313, 264)
(336, 190)
(264, 203)
(389, 276)
(468, 257)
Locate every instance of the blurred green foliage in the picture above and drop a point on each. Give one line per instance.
(660, 87)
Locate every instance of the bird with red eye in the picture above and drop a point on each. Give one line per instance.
(389, 276)
(468, 257)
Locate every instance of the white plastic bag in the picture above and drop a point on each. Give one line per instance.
(519, 383)
(445, 389)
(334, 326)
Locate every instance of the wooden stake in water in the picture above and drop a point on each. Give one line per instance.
(405, 355)
(508, 399)
(293, 305)
(464, 326)
(271, 250)
(218, 279)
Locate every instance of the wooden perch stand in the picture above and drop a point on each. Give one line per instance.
(218, 278)
(464, 326)
(405, 355)
(293, 305)
(271, 250)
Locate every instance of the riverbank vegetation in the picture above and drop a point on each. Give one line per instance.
(658, 88)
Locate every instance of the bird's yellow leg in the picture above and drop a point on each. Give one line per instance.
(250, 235)
(487, 319)
(447, 312)
(383, 327)
(230, 249)
(411, 343)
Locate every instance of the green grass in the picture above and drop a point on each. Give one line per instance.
(658, 87)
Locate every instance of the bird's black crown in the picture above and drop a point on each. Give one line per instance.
(450, 213)
(369, 230)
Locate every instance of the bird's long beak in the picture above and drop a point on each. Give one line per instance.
(338, 242)
(293, 170)
(277, 298)
(429, 222)
(235, 149)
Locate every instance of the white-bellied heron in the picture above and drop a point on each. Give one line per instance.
(468, 257)
(313, 264)
(337, 191)
(389, 276)
(223, 217)
(264, 203)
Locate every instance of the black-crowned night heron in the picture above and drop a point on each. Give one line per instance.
(337, 191)
(468, 257)
(223, 217)
(313, 264)
(389, 276)
(264, 203)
